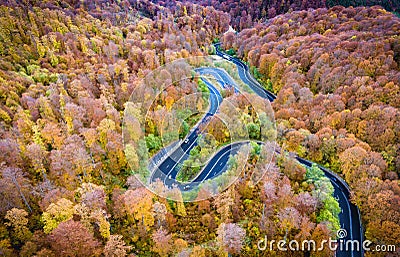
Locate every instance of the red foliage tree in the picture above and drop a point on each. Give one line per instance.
(71, 238)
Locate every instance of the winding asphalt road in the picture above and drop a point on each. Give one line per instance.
(166, 171)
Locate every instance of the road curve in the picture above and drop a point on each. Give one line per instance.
(245, 76)
(166, 170)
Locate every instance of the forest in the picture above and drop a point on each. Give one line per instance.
(246, 13)
(68, 68)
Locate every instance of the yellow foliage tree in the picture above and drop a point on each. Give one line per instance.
(139, 206)
(105, 126)
(56, 213)
(18, 221)
(99, 216)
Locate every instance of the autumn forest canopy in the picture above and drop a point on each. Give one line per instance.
(67, 72)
